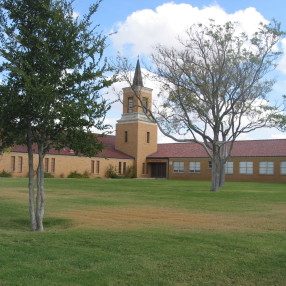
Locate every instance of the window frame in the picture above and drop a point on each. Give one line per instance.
(180, 168)
(53, 165)
(283, 168)
(248, 167)
(196, 169)
(266, 168)
(13, 164)
(227, 168)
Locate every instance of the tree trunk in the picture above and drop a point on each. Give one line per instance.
(31, 180)
(215, 169)
(222, 173)
(40, 200)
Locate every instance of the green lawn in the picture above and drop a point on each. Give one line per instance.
(144, 232)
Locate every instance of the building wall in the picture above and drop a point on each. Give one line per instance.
(137, 145)
(205, 171)
(63, 165)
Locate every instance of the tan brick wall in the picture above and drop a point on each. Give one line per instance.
(205, 173)
(137, 145)
(64, 165)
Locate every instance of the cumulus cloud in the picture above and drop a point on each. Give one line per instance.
(144, 29)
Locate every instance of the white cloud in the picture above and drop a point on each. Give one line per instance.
(144, 29)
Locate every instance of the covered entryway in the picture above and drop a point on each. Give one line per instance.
(158, 170)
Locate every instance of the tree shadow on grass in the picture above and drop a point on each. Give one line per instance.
(50, 224)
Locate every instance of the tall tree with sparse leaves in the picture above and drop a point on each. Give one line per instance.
(53, 70)
(214, 87)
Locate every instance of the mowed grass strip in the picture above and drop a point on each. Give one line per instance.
(144, 232)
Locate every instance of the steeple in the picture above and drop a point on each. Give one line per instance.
(137, 80)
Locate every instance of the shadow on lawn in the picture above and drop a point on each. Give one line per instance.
(50, 223)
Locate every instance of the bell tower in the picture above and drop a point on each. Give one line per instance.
(136, 135)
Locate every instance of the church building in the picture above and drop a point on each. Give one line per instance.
(135, 146)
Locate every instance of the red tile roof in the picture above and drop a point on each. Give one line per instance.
(249, 148)
(109, 150)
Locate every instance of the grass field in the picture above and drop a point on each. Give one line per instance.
(144, 232)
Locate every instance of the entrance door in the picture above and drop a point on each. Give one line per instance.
(158, 170)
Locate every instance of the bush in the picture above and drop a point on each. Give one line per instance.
(111, 172)
(48, 175)
(77, 175)
(5, 174)
(131, 172)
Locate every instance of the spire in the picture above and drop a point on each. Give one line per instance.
(137, 80)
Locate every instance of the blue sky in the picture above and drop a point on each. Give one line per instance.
(140, 25)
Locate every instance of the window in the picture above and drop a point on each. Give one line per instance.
(283, 168)
(246, 168)
(124, 168)
(195, 167)
(97, 167)
(145, 103)
(119, 167)
(210, 164)
(125, 136)
(20, 164)
(148, 137)
(46, 165)
(53, 165)
(266, 168)
(13, 164)
(178, 167)
(229, 168)
(92, 166)
(130, 105)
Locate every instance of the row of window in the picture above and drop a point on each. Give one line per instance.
(50, 165)
(147, 137)
(95, 167)
(265, 168)
(16, 164)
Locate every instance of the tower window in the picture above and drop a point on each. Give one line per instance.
(130, 105)
(145, 103)
(148, 137)
(126, 136)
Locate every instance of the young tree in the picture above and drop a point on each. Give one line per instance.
(53, 70)
(214, 88)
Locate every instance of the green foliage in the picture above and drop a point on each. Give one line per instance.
(111, 172)
(53, 78)
(77, 175)
(5, 174)
(48, 175)
(131, 172)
